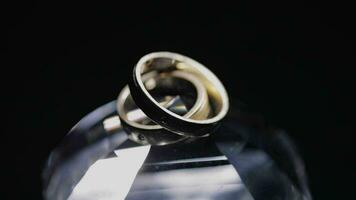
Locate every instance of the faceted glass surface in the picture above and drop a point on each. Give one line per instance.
(243, 160)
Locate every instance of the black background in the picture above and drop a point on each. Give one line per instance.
(291, 61)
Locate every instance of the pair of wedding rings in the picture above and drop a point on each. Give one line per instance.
(171, 98)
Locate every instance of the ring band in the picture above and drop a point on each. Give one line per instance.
(156, 134)
(164, 62)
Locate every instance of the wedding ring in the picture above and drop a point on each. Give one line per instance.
(181, 83)
(167, 62)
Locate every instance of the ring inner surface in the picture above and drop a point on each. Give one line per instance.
(166, 65)
(175, 94)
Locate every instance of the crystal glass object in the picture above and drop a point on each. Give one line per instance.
(243, 160)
